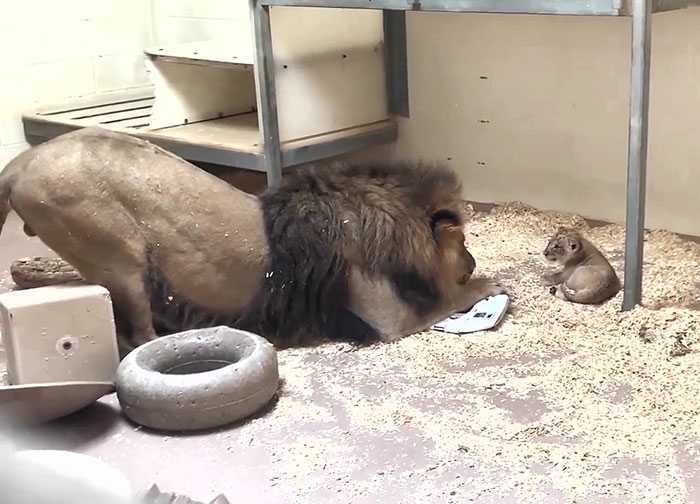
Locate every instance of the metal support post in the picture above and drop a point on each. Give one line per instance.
(637, 154)
(396, 62)
(267, 96)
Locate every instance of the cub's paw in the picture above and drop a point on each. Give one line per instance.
(559, 293)
(549, 279)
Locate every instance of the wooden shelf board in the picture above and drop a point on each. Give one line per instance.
(239, 132)
(232, 141)
(209, 53)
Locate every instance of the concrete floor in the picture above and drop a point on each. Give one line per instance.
(251, 462)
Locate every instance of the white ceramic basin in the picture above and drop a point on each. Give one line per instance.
(49, 476)
(43, 402)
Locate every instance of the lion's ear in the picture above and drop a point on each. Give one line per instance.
(445, 216)
(447, 228)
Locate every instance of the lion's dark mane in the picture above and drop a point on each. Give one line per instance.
(321, 221)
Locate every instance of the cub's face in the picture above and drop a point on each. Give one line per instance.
(564, 246)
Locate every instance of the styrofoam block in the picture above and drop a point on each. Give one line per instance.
(59, 333)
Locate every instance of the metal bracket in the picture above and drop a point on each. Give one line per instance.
(396, 62)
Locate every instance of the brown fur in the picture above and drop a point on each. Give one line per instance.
(335, 231)
(585, 275)
(123, 212)
(179, 248)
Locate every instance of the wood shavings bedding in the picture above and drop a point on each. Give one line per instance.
(574, 401)
(562, 403)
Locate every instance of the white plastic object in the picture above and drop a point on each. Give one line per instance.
(484, 315)
(59, 333)
(46, 476)
(42, 402)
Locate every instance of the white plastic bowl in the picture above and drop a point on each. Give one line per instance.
(46, 476)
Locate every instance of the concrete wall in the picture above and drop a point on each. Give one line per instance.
(523, 107)
(53, 50)
(535, 109)
(178, 21)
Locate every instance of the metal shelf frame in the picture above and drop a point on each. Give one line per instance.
(397, 84)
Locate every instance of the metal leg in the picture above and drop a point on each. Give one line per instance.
(637, 154)
(396, 61)
(267, 96)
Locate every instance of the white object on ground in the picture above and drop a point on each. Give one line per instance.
(59, 333)
(42, 402)
(49, 476)
(484, 315)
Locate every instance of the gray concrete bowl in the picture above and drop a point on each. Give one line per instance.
(198, 379)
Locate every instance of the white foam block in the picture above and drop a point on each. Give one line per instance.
(59, 333)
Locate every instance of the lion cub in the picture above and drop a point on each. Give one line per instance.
(585, 276)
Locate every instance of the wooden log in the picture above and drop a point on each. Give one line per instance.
(31, 272)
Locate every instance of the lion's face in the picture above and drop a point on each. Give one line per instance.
(467, 266)
(458, 263)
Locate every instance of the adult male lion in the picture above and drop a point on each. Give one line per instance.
(336, 251)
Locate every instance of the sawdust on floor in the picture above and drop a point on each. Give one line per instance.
(587, 404)
(588, 400)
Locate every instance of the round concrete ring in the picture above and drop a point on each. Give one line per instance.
(198, 379)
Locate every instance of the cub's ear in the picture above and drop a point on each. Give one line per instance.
(574, 244)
